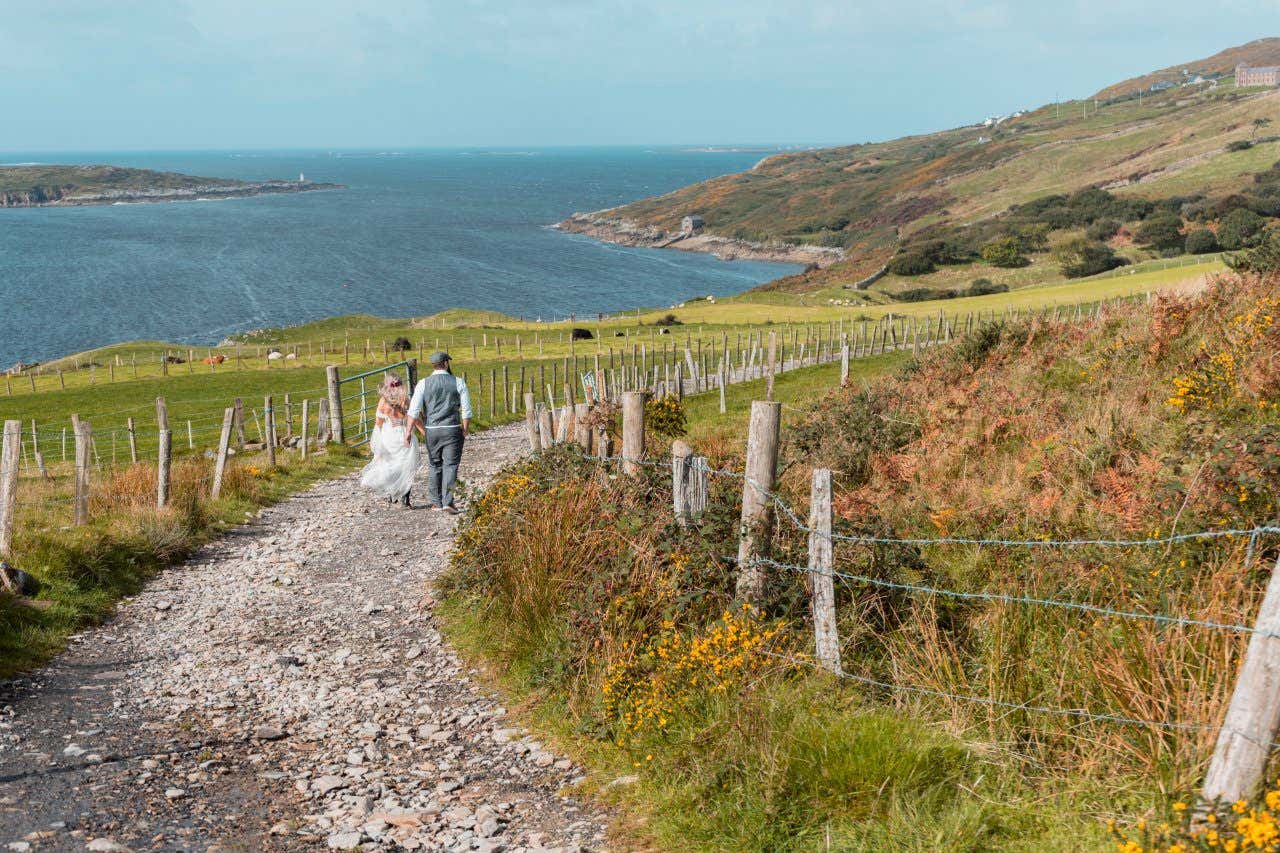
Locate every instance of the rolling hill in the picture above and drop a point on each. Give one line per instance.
(865, 200)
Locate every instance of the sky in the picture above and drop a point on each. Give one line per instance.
(333, 74)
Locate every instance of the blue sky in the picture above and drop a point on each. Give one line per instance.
(165, 74)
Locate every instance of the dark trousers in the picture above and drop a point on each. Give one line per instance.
(444, 452)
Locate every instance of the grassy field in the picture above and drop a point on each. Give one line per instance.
(482, 344)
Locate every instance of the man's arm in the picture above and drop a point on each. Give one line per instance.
(464, 405)
(415, 411)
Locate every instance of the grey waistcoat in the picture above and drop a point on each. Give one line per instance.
(441, 404)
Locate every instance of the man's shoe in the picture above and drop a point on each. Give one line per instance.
(404, 501)
(451, 509)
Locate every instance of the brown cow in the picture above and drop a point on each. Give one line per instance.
(214, 359)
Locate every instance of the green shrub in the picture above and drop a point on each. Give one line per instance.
(911, 264)
(924, 294)
(984, 286)
(1239, 145)
(1004, 252)
(1201, 241)
(1083, 257)
(1103, 229)
(1238, 228)
(1161, 231)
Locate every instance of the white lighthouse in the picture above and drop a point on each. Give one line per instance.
(302, 179)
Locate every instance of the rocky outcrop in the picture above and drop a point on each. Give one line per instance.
(626, 232)
(65, 196)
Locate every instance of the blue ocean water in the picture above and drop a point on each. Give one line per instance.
(415, 232)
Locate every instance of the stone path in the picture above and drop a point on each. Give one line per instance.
(286, 689)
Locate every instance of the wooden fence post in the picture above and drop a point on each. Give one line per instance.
(335, 403)
(224, 448)
(823, 597)
(581, 430)
(844, 364)
(269, 429)
(238, 405)
(773, 355)
(531, 421)
(84, 443)
(133, 440)
(1253, 717)
(632, 431)
(9, 483)
(546, 429)
(302, 434)
(757, 503)
(681, 453)
(164, 453)
(698, 485)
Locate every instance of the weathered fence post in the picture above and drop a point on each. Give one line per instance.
(698, 483)
(632, 432)
(335, 403)
(844, 364)
(84, 444)
(164, 453)
(581, 429)
(681, 453)
(546, 429)
(1253, 717)
(133, 440)
(224, 448)
(773, 355)
(823, 598)
(531, 421)
(269, 429)
(302, 433)
(757, 504)
(9, 482)
(238, 405)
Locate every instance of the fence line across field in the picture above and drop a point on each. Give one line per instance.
(889, 331)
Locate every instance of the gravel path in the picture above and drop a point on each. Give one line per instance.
(287, 689)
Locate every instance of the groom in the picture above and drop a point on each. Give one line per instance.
(441, 405)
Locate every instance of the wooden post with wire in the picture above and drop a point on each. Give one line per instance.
(269, 429)
(84, 462)
(632, 432)
(334, 384)
(164, 454)
(773, 355)
(757, 506)
(302, 433)
(1253, 717)
(224, 450)
(9, 454)
(823, 595)
(681, 454)
(132, 432)
(844, 363)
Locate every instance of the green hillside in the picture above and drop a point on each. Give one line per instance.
(1202, 140)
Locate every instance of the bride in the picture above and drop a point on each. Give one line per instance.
(390, 474)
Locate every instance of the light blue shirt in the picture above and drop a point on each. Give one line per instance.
(419, 392)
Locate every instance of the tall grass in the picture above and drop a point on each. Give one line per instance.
(579, 586)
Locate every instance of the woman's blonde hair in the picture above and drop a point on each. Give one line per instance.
(394, 392)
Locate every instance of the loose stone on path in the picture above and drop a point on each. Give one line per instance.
(287, 689)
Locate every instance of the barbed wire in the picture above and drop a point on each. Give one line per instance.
(1013, 599)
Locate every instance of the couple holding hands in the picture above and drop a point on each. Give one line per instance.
(440, 412)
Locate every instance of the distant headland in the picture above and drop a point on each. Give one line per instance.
(67, 186)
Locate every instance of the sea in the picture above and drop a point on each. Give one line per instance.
(413, 233)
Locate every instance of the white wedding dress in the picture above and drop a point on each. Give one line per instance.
(390, 474)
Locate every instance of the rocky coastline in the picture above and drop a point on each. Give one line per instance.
(626, 232)
(58, 196)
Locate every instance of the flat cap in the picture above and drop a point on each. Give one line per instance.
(439, 357)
